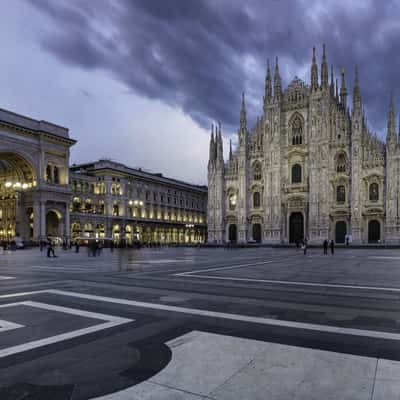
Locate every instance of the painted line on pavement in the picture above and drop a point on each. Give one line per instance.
(111, 321)
(297, 283)
(222, 315)
(2, 277)
(222, 268)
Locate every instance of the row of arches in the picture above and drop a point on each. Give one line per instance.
(296, 230)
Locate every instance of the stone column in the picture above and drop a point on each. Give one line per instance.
(67, 227)
(43, 220)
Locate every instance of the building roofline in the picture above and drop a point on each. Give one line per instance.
(39, 126)
(119, 167)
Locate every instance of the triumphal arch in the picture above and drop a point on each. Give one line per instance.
(34, 181)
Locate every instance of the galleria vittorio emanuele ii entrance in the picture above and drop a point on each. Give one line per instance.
(34, 189)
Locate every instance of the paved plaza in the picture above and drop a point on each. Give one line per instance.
(200, 323)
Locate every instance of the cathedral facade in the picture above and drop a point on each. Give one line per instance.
(310, 168)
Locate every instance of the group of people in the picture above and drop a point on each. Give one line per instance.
(304, 246)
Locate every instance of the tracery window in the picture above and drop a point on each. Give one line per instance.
(232, 201)
(373, 192)
(257, 171)
(296, 173)
(256, 200)
(341, 164)
(341, 194)
(297, 131)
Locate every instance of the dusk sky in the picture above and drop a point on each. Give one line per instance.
(140, 81)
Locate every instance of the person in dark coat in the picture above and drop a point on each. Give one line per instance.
(332, 247)
(50, 248)
(325, 247)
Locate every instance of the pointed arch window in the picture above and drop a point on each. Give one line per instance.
(296, 173)
(256, 200)
(373, 192)
(257, 171)
(297, 131)
(341, 164)
(341, 194)
(232, 201)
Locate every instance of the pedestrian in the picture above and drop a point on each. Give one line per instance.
(325, 247)
(332, 247)
(112, 246)
(347, 240)
(77, 246)
(304, 246)
(50, 248)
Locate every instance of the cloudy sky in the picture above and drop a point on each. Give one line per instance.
(140, 81)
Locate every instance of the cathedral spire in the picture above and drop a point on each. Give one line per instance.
(277, 82)
(391, 126)
(243, 122)
(212, 155)
(343, 91)
(332, 87)
(268, 87)
(337, 91)
(314, 72)
(324, 69)
(356, 90)
(220, 151)
(230, 150)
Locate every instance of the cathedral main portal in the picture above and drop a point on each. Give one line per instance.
(296, 227)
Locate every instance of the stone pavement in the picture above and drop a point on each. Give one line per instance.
(200, 324)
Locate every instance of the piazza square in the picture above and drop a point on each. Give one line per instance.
(199, 200)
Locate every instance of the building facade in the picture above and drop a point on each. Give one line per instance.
(310, 168)
(111, 200)
(41, 196)
(34, 178)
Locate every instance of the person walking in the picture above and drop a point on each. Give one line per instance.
(325, 247)
(76, 246)
(50, 248)
(332, 247)
(304, 246)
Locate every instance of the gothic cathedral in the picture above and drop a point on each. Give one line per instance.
(310, 168)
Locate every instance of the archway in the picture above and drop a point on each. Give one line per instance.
(296, 227)
(374, 231)
(52, 224)
(340, 231)
(232, 233)
(17, 178)
(257, 233)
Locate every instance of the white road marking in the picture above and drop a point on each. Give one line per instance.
(6, 277)
(235, 317)
(7, 325)
(222, 268)
(222, 315)
(297, 283)
(111, 321)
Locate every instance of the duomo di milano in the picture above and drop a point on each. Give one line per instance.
(310, 168)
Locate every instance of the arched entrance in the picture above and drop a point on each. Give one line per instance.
(374, 231)
(17, 178)
(340, 232)
(52, 224)
(257, 233)
(296, 227)
(232, 237)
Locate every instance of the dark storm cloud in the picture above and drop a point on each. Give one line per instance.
(200, 55)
